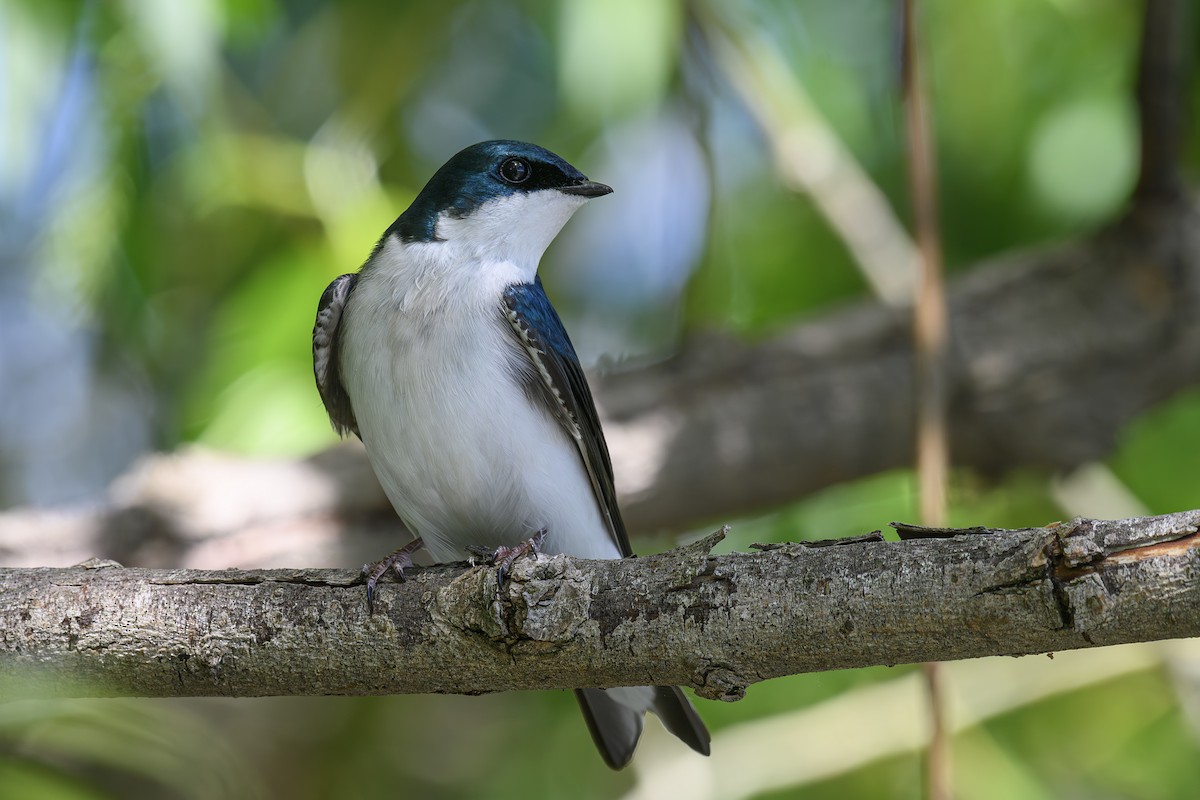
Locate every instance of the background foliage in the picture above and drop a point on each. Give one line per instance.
(179, 181)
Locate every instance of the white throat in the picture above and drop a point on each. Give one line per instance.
(461, 274)
(515, 229)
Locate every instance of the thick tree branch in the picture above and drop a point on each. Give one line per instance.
(717, 623)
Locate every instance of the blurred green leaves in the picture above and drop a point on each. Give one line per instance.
(616, 56)
(1157, 456)
(68, 749)
(232, 138)
(222, 161)
(1083, 159)
(256, 391)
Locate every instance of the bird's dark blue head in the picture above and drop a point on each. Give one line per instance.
(488, 171)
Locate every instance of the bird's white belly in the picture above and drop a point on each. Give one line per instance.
(463, 453)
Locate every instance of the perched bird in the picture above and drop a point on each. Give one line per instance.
(444, 355)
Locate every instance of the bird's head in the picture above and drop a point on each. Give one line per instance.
(505, 198)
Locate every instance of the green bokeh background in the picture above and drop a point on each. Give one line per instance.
(226, 158)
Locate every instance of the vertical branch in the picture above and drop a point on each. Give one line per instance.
(930, 323)
(938, 773)
(929, 333)
(1161, 83)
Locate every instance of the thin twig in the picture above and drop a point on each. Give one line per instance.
(929, 334)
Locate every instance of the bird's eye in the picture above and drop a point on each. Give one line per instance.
(515, 170)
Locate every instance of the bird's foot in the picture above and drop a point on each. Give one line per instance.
(502, 558)
(397, 562)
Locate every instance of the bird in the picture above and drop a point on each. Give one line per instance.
(444, 355)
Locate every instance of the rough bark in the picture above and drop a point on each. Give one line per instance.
(717, 623)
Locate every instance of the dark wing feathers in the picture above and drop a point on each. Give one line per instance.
(557, 380)
(325, 355)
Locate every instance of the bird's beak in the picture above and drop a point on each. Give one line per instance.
(587, 189)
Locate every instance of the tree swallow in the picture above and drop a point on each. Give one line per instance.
(444, 355)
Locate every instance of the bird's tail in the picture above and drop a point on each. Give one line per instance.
(614, 717)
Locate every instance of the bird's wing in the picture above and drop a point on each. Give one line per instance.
(556, 380)
(325, 355)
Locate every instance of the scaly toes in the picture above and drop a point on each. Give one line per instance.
(396, 562)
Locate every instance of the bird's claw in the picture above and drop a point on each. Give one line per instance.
(503, 557)
(397, 562)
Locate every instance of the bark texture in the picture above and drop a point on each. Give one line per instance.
(716, 623)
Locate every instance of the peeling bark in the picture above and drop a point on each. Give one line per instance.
(716, 623)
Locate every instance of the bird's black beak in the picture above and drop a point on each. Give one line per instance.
(587, 189)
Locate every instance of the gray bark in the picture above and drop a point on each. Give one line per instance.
(716, 623)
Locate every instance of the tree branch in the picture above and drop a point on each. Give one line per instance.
(1052, 354)
(717, 623)
(1162, 82)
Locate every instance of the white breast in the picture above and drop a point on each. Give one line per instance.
(464, 454)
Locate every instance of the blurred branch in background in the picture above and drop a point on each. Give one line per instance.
(1162, 82)
(178, 182)
(722, 428)
(1055, 352)
(716, 623)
